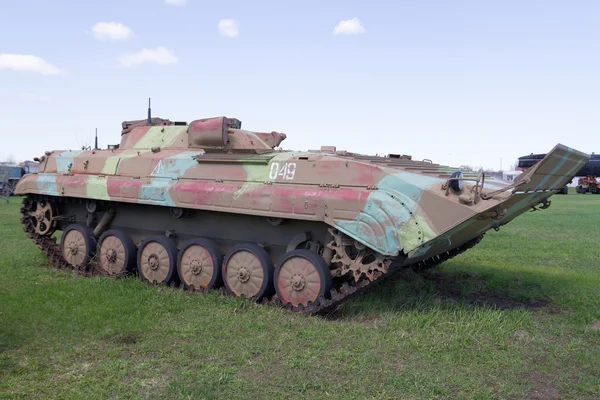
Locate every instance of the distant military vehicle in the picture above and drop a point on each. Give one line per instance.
(15, 172)
(207, 204)
(588, 173)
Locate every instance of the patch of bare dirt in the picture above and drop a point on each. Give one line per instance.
(596, 326)
(543, 387)
(125, 339)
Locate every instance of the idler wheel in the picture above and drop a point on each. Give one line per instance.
(199, 264)
(301, 276)
(117, 252)
(77, 245)
(157, 259)
(248, 271)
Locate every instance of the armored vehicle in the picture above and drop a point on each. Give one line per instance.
(207, 205)
(588, 174)
(591, 168)
(7, 187)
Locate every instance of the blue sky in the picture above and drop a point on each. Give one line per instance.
(458, 82)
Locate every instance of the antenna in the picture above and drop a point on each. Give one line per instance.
(149, 113)
(96, 141)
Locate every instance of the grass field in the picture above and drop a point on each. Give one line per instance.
(516, 317)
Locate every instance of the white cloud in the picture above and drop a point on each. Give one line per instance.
(28, 63)
(349, 27)
(229, 27)
(111, 31)
(160, 55)
(33, 97)
(176, 2)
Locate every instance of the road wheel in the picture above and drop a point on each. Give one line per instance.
(77, 245)
(301, 276)
(157, 259)
(248, 271)
(199, 264)
(117, 252)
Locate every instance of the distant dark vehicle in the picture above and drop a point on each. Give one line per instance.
(591, 168)
(588, 172)
(15, 173)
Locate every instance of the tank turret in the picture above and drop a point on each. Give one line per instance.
(209, 134)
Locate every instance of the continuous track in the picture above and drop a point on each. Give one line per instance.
(323, 305)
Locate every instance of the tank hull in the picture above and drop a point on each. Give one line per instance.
(364, 216)
(389, 210)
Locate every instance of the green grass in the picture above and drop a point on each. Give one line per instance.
(512, 318)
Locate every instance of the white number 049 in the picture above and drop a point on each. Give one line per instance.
(285, 171)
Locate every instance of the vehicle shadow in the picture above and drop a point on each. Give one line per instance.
(463, 285)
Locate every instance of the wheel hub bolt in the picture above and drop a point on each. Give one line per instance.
(196, 267)
(153, 261)
(73, 248)
(243, 274)
(298, 282)
(111, 255)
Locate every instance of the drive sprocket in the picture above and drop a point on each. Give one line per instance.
(355, 257)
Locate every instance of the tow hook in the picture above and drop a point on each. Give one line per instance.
(544, 205)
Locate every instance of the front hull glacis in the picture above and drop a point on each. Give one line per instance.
(207, 204)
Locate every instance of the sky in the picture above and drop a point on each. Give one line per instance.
(475, 83)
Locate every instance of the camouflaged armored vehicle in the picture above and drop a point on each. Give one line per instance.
(207, 204)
